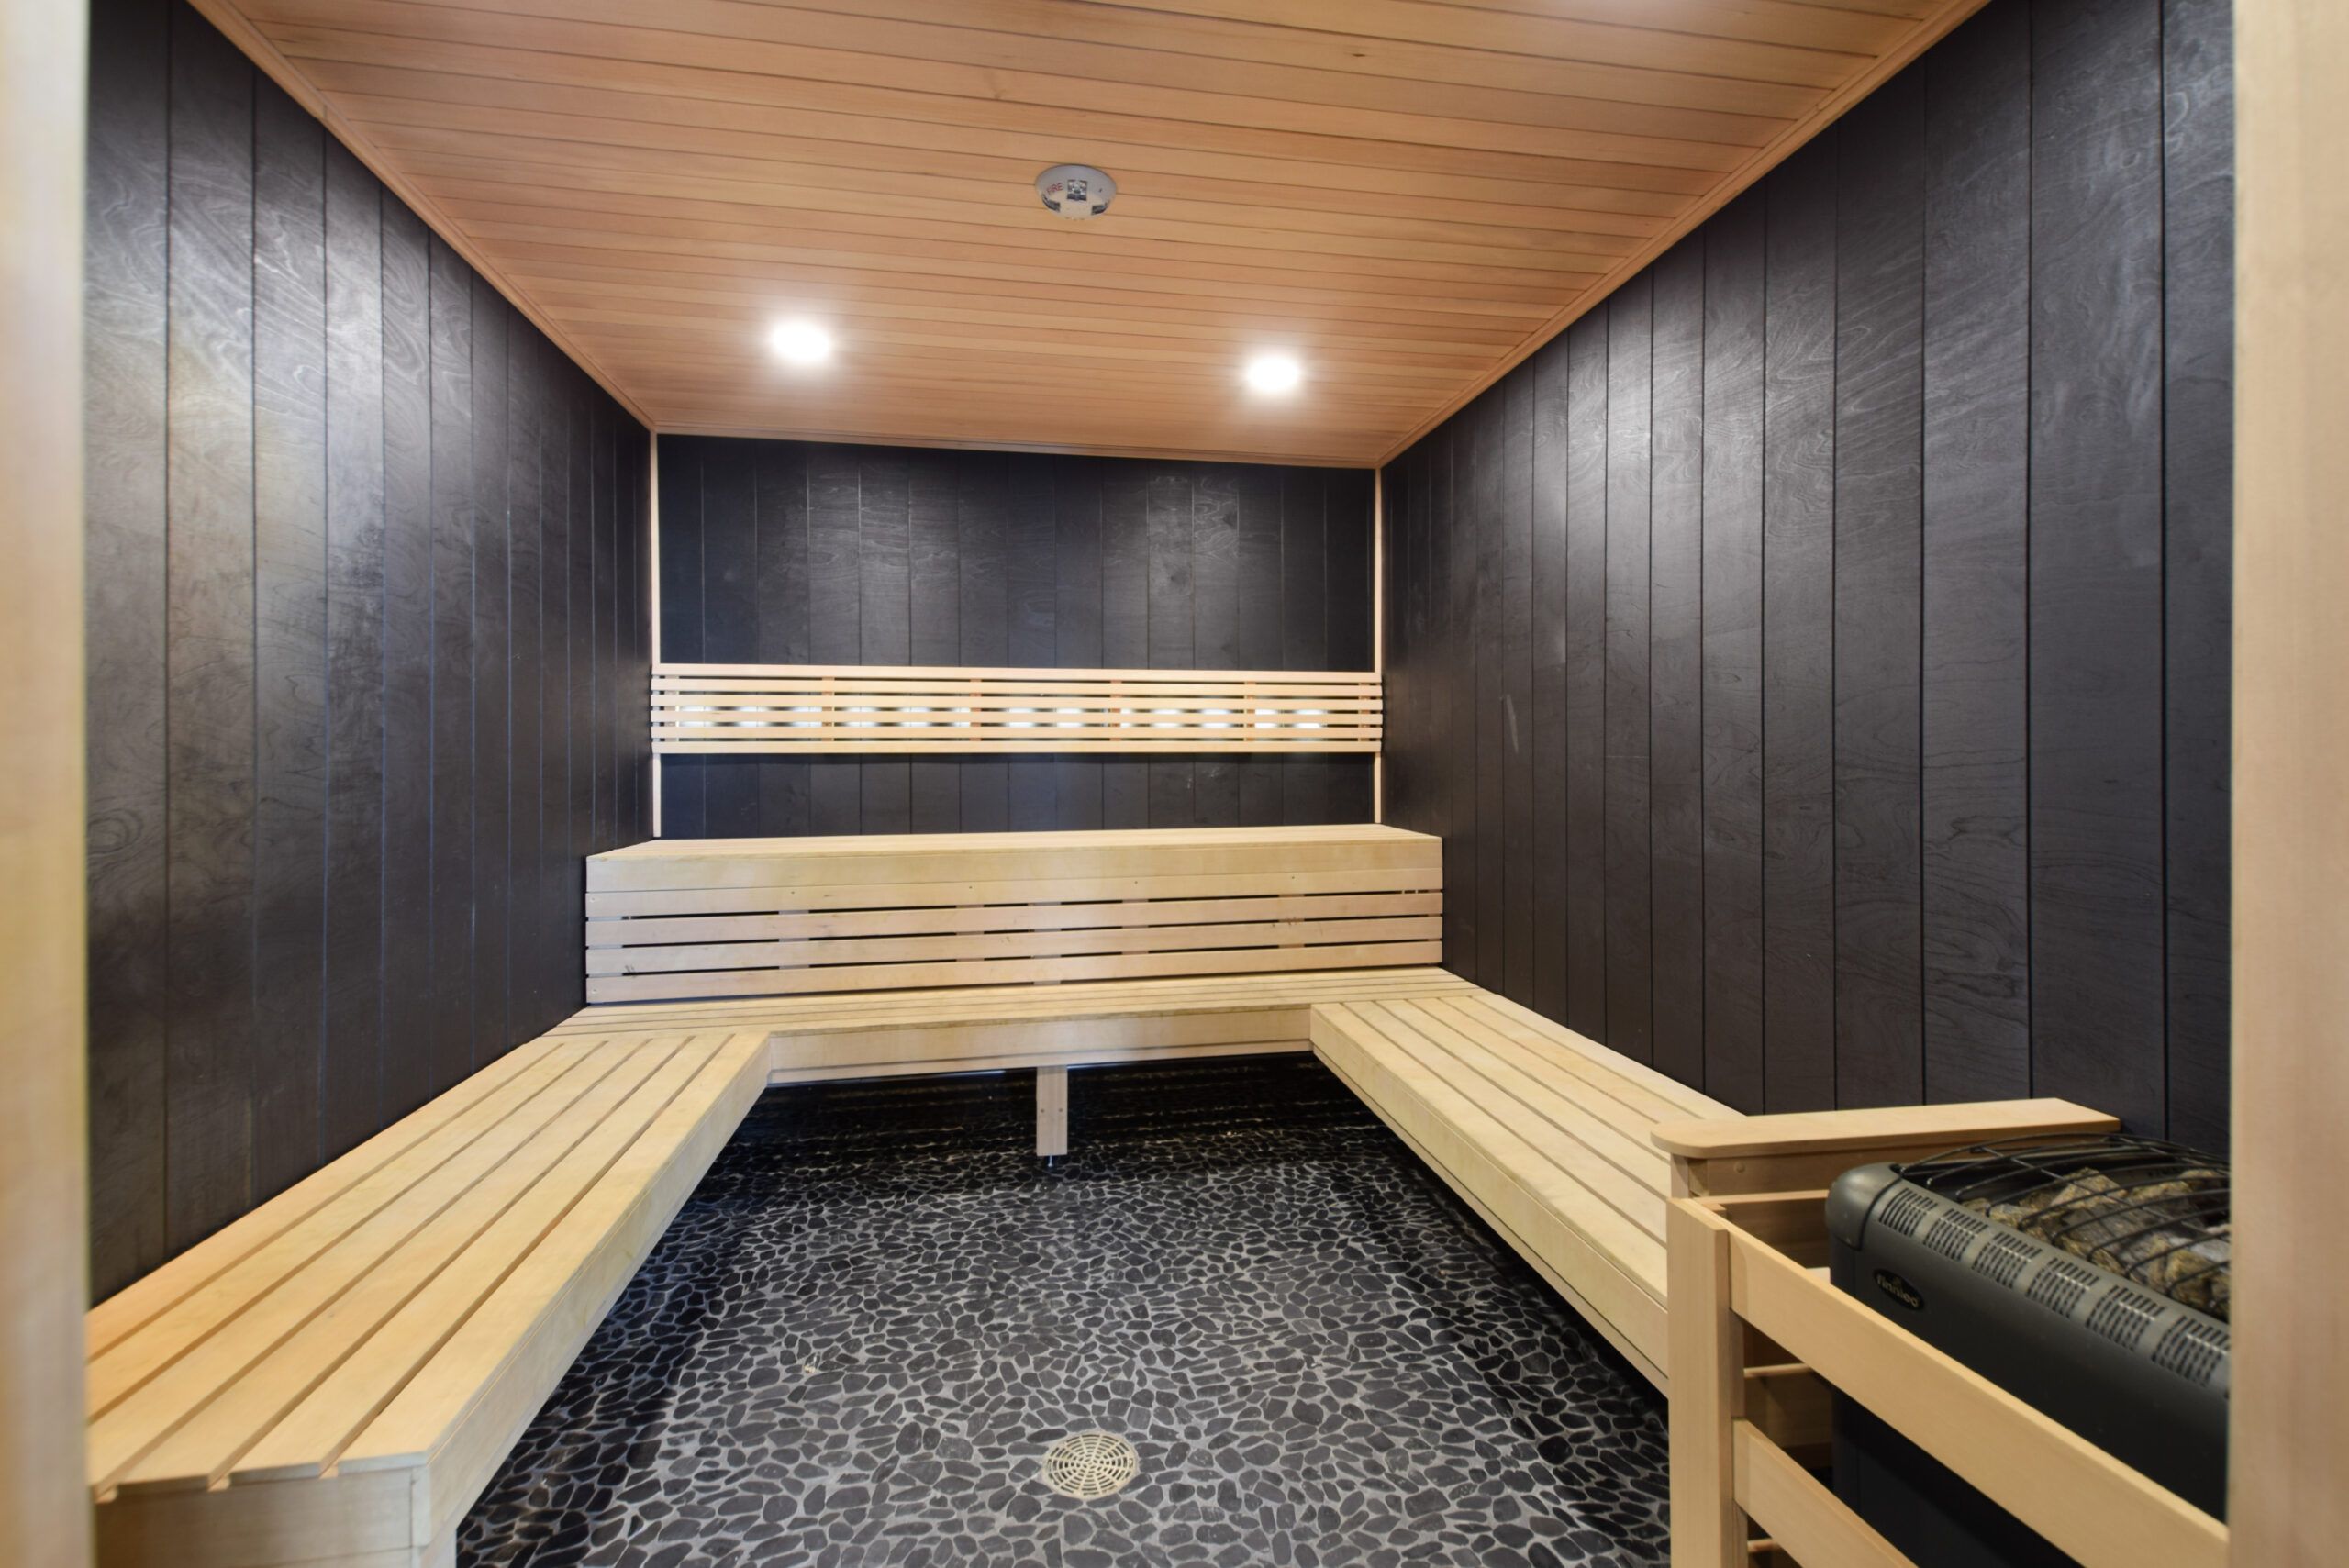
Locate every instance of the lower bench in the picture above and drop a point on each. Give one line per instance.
(332, 1379)
(1543, 1132)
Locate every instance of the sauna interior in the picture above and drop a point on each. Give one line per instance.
(1083, 782)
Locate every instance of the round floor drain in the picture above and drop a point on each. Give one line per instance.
(1090, 1464)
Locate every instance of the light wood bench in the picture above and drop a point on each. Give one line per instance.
(677, 919)
(1543, 1132)
(332, 1379)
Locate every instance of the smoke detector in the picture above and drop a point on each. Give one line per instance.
(1075, 190)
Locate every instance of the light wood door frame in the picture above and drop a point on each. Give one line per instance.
(44, 1249)
(2290, 1438)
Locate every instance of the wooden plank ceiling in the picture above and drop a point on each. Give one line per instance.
(1408, 195)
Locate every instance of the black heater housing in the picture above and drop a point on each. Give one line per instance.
(2062, 1274)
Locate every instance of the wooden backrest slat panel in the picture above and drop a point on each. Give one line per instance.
(784, 916)
(904, 710)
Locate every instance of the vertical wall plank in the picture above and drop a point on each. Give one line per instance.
(1733, 653)
(719, 487)
(1513, 648)
(783, 612)
(1586, 802)
(492, 732)
(1125, 625)
(1077, 620)
(407, 660)
(350, 1088)
(530, 1004)
(1977, 528)
(1797, 634)
(289, 635)
(127, 239)
(682, 530)
(835, 635)
(1630, 919)
(886, 632)
(1030, 782)
(1486, 477)
(2198, 554)
(209, 725)
(1880, 261)
(1347, 555)
(1168, 522)
(555, 876)
(1677, 662)
(1548, 728)
(451, 1049)
(984, 532)
(2096, 558)
(935, 596)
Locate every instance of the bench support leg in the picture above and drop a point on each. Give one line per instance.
(441, 1553)
(1051, 1112)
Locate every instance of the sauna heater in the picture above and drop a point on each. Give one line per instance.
(2090, 1279)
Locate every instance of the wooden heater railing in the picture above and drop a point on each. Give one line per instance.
(1761, 1343)
(815, 709)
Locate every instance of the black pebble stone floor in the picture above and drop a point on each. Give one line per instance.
(880, 1308)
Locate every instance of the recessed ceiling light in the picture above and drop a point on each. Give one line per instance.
(800, 343)
(1274, 374)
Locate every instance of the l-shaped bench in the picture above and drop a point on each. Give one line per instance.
(332, 1379)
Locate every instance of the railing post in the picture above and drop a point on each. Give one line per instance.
(1707, 1372)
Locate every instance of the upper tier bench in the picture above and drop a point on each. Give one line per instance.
(788, 917)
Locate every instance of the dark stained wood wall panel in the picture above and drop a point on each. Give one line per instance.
(338, 545)
(783, 552)
(1871, 702)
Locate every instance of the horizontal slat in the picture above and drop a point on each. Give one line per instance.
(903, 710)
(992, 945)
(1078, 891)
(879, 862)
(1007, 971)
(1041, 917)
(792, 1017)
(1801, 1517)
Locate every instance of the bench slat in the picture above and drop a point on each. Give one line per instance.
(1013, 972)
(1076, 941)
(1099, 1000)
(999, 891)
(1040, 916)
